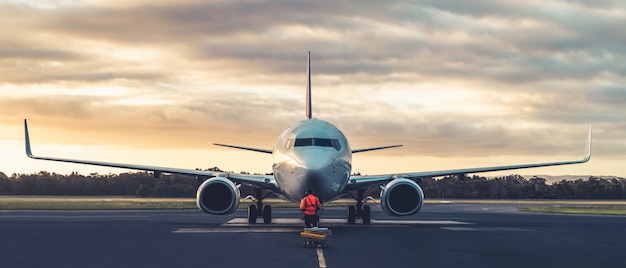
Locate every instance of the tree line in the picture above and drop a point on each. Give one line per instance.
(517, 187)
(145, 184)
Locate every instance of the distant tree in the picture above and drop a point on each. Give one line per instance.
(5, 184)
(145, 184)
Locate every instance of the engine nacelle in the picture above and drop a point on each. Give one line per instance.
(218, 196)
(402, 197)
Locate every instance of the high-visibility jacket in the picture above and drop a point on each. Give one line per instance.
(310, 204)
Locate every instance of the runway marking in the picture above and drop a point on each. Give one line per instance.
(320, 257)
(459, 229)
(421, 222)
(297, 221)
(241, 225)
(244, 221)
(487, 229)
(235, 230)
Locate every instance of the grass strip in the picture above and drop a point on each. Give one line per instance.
(92, 203)
(589, 210)
(125, 203)
(528, 201)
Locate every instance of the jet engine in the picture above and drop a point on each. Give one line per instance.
(401, 197)
(218, 196)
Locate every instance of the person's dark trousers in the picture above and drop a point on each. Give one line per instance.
(310, 221)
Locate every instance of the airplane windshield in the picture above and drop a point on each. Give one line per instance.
(321, 142)
(304, 142)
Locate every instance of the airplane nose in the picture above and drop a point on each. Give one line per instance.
(315, 162)
(313, 181)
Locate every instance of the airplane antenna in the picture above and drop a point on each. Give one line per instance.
(309, 113)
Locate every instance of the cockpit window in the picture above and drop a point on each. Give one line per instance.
(323, 142)
(289, 144)
(336, 144)
(304, 142)
(318, 142)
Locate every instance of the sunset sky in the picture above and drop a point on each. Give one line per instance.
(458, 83)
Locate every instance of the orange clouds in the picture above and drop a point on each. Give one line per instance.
(446, 79)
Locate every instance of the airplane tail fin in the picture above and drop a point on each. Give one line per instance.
(309, 113)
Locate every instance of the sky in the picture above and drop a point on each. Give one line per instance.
(459, 83)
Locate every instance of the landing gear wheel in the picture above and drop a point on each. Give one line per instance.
(252, 214)
(267, 214)
(366, 214)
(351, 214)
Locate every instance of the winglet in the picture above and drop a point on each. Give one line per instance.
(588, 149)
(27, 139)
(309, 113)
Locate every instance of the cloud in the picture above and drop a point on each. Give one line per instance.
(443, 77)
(479, 40)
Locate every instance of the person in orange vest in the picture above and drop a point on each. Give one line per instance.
(309, 205)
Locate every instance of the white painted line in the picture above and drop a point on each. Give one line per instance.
(244, 221)
(235, 230)
(320, 258)
(459, 229)
(420, 222)
(297, 221)
(487, 229)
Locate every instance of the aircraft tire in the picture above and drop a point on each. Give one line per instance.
(252, 214)
(267, 214)
(351, 214)
(366, 214)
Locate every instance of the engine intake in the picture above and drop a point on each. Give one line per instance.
(218, 196)
(401, 197)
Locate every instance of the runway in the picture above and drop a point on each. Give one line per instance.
(442, 235)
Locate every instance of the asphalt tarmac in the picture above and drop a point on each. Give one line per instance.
(442, 235)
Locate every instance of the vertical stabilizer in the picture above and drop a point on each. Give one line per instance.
(309, 114)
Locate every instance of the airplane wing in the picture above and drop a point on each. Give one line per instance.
(245, 148)
(265, 182)
(375, 148)
(357, 182)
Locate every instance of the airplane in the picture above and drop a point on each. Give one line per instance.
(309, 154)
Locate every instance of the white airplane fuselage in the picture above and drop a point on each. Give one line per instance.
(312, 154)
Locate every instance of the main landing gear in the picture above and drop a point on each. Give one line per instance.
(254, 211)
(359, 210)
